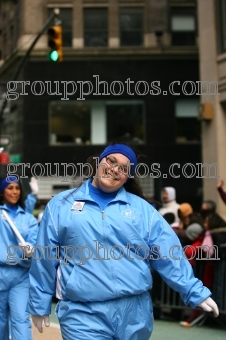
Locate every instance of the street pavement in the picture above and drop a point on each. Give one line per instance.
(49, 333)
(171, 330)
(163, 330)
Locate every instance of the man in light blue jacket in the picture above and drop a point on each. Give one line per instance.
(95, 247)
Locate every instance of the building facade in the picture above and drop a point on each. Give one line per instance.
(130, 68)
(212, 52)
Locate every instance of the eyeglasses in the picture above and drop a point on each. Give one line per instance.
(123, 169)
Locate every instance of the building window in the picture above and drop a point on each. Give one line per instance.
(125, 119)
(131, 26)
(95, 122)
(95, 27)
(221, 22)
(183, 29)
(188, 127)
(66, 19)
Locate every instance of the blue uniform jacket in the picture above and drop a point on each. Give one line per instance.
(10, 252)
(86, 254)
(30, 202)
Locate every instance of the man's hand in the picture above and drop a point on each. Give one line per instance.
(38, 321)
(209, 305)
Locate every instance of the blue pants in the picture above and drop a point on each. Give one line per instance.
(14, 285)
(127, 318)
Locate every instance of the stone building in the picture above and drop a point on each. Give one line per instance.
(133, 69)
(212, 60)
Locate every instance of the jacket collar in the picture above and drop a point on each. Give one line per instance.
(19, 209)
(82, 193)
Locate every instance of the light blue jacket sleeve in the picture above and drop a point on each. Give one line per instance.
(30, 202)
(44, 266)
(31, 237)
(170, 262)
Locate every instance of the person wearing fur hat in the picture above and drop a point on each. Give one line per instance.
(169, 203)
(112, 237)
(14, 261)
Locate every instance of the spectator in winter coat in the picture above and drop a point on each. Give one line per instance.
(222, 192)
(169, 203)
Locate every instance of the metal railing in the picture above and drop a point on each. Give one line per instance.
(166, 298)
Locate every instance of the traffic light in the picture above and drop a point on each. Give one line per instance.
(55, 42)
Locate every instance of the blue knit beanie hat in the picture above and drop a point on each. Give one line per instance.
(124, 150)
(7, 181)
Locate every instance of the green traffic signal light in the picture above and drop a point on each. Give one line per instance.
(53, 55)
(55, 43)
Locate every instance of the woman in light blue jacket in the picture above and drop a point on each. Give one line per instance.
(95, 247)
(14, 261)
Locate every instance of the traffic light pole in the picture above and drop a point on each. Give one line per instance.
(55, 13)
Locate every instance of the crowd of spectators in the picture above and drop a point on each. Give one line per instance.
(203, 237)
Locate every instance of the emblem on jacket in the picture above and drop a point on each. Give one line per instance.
(128, 213)
(78, 206)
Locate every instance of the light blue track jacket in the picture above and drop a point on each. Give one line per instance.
(30, 202)
(10, 252)
(106, 254)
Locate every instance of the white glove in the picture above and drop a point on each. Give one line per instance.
(38, 320)
(27, 248)
(209, 305)
(34, 186)
(1, 149)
